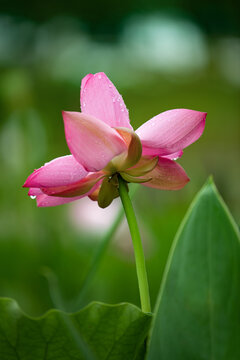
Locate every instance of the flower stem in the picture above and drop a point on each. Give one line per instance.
(137, 245)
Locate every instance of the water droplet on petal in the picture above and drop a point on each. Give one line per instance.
(33, 197)
(99, 76)
(114, 100)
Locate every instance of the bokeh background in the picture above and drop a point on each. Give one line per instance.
(160, 55)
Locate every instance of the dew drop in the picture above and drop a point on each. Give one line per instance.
(99, 76)
(113, 100)
(33, 197)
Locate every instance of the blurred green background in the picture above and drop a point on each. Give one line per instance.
(160, 56)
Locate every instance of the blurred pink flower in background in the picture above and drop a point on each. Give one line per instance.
(86, 216)
(103, 146)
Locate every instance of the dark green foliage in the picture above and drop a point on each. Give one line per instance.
(198, 310)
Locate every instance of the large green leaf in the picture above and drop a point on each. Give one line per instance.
(197, 315)
(96, 332)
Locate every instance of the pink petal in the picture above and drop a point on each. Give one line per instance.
(61, 171)
(167, 175)
(83, 84)
(174, 156)
(46, 201)
(77, 189)
(100, 98)
(92, 142)
(34, 192)
(171, 131)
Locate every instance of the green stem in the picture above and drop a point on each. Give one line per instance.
(137, 245)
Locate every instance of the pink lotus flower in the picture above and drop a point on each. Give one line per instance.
(103, 146)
